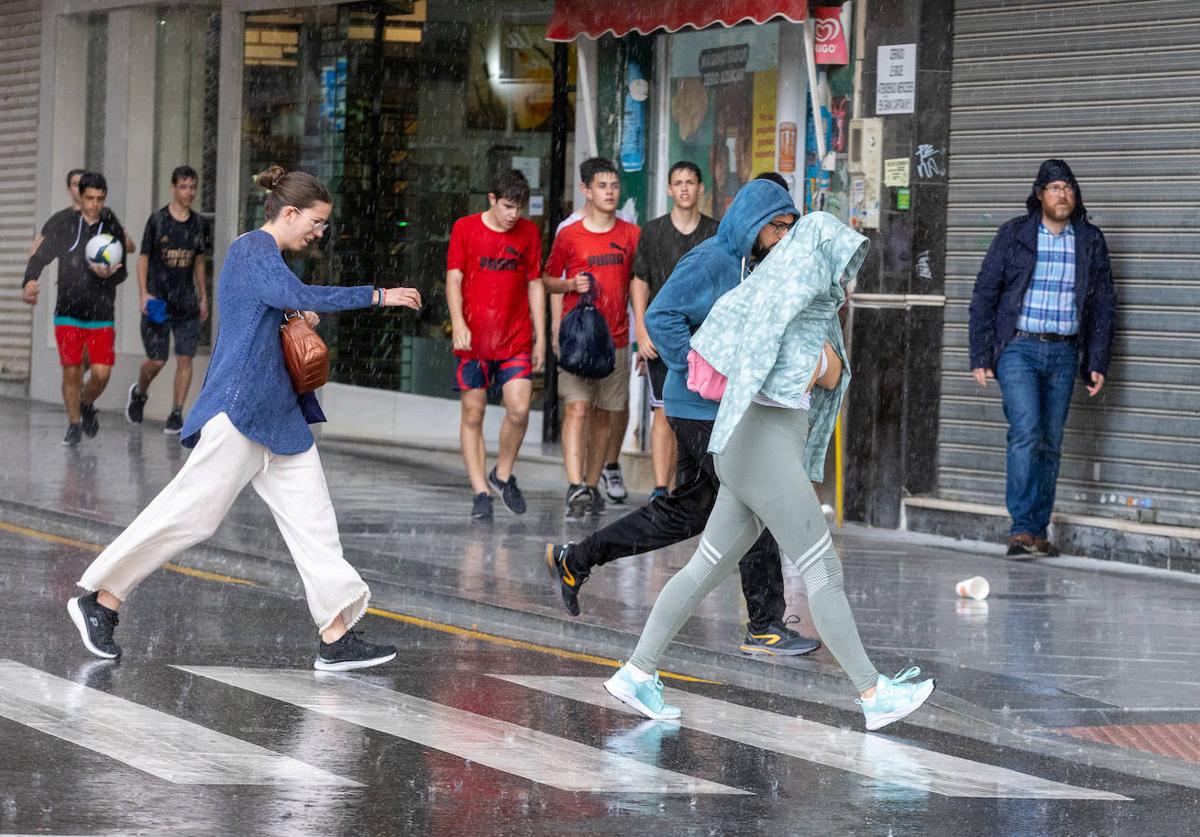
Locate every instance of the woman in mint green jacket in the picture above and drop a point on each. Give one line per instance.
(774, 337)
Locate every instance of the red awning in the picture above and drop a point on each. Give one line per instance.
(593, 18)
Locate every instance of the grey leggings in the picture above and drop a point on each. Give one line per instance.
(763, 482)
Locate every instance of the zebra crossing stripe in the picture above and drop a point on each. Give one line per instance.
(868, 754)
(534, 755)
(146, 739)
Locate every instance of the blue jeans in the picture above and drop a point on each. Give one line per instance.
(1036, 380)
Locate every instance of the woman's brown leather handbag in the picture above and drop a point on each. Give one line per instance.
(304, 353)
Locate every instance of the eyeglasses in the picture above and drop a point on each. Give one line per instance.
(318, 226)
(1058, 189)
(779, 226)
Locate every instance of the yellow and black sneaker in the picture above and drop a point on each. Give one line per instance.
(568, 581)
(779, 640)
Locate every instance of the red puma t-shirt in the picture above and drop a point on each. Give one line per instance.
(497, 268)
(608, 256)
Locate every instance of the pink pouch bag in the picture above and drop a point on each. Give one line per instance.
(702, 379)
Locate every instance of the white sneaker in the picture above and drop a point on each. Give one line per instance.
(614, 484)
(645, 696)
(895, 698)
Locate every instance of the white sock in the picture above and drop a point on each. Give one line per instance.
(637, 674)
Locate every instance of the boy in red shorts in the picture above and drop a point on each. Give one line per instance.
(83, 312)
(496, 309)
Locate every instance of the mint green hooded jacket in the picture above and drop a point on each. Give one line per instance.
(766, 335)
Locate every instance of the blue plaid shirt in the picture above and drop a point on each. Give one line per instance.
(1049, 306)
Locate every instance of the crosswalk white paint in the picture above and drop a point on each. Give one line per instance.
(501, 745)
(146, 739)
(867, 754)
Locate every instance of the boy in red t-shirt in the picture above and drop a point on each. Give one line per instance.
(496, 308)
(604, 246)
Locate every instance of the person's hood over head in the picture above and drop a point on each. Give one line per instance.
(1050, 171)
(753, 206)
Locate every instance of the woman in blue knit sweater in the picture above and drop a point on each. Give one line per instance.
(247, 427)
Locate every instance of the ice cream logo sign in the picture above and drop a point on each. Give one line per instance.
(829, 45)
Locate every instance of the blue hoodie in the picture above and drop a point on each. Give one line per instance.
(708, 271)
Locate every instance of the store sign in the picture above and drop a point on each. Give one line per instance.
(896, 87)
(829, 46)
(724, 65)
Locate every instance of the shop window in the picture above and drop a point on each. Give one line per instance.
(405, 109)
(722, 111)
(187, 69)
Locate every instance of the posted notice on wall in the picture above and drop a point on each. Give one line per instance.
(896, 87)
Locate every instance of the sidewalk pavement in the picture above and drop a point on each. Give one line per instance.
(1065, 652)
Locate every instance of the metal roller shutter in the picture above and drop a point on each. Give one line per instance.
(1113, 88)
(20, 56)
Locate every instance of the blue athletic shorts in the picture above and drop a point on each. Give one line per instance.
(473, 373)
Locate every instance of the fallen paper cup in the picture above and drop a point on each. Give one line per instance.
(976, 588)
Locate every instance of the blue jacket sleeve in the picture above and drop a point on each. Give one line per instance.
(984, 299)
(678, 309)
(278, 287)
(1103, 315)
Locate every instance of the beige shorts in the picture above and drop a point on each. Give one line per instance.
(611, 393)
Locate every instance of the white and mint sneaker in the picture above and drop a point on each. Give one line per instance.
(895, 698)
(645, 696)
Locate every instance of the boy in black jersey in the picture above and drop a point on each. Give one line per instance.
(174, 298)
(83, 310)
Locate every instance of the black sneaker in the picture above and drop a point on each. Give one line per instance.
(596, 502)
(74, 434)
(568, 582)
(513, 499)
(96, 624)
(91, 424)
(779, 640)
(174, 423)
(135, 404)
(351, 652)
(579, 501)
(481, 508)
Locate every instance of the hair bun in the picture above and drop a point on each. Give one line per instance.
(270, 178)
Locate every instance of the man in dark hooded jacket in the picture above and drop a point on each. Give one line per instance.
(1043, 306)
(761, 213)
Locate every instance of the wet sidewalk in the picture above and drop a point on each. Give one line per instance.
(1065, 654)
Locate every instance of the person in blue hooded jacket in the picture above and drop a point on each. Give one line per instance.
(760, 215)
(1043, 306)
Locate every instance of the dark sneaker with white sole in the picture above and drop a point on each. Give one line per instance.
(135, 404)
(579, 502)
(352, 652)
(513, 499)
(481, 506)
(174, 423)
(567, 580)
(778, 640)
(596, 502)
(90, 422)
(96, 624)
(74, 435)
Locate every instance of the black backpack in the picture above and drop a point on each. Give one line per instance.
(585, 345)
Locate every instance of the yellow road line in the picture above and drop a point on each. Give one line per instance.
(518, 643)
(428, 624)
(95, 547)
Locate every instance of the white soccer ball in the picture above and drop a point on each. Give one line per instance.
(104, 249)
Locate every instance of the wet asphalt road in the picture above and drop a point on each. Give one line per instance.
(440, 699)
